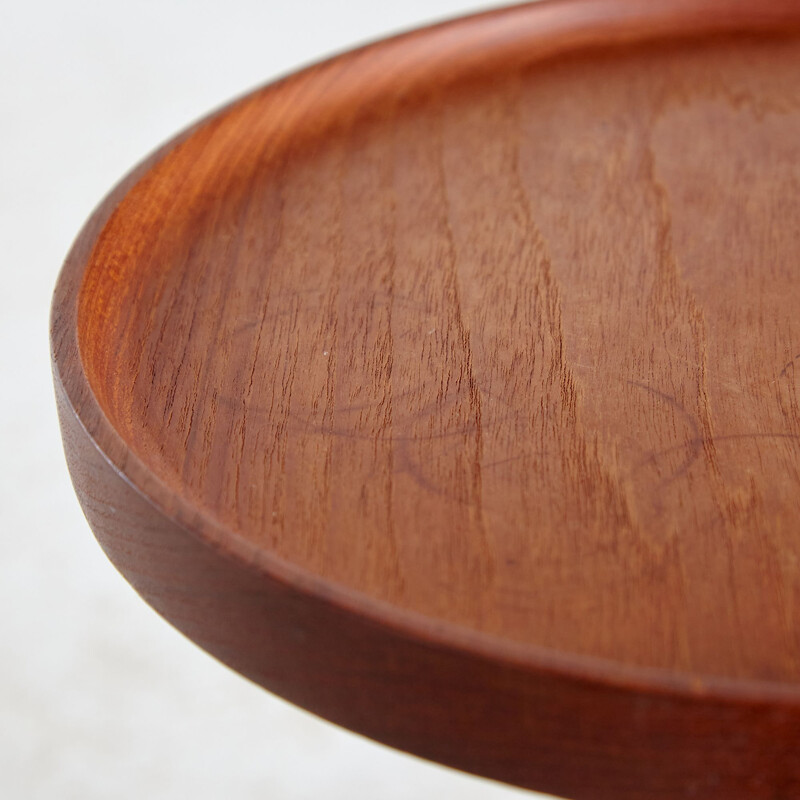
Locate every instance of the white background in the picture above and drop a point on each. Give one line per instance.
(99, 698)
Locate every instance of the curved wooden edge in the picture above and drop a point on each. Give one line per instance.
(576, 727)
(532, 728)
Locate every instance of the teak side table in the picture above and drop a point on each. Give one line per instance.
(450, 389)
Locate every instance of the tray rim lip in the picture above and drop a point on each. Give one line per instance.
(621, 18)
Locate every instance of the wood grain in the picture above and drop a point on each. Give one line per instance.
(450, 389)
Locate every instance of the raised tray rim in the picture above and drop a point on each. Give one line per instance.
(468, 45)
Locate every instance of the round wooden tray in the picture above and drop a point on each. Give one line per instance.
(449, 389)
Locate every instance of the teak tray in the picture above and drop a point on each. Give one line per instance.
(450, 389)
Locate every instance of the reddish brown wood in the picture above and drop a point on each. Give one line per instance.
(449, 389)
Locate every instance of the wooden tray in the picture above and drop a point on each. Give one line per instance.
(450, 389)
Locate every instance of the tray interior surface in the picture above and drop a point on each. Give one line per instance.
(520, 353)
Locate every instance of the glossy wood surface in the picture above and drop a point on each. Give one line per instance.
(450, 390)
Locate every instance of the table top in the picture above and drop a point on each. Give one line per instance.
(449, 389)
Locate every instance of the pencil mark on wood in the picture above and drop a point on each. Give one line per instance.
(790, 365)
